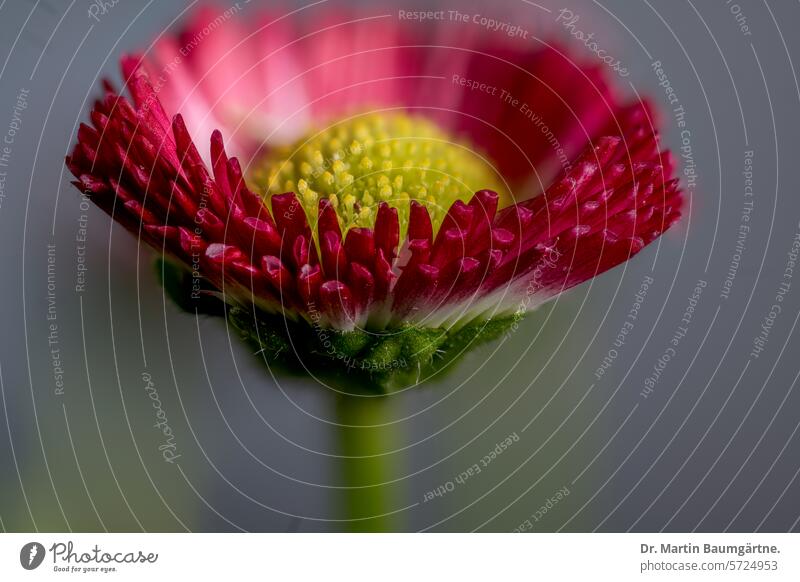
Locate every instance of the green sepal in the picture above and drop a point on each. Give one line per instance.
(359, 360)
(388, 361)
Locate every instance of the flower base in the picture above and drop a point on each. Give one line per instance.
(357, 360)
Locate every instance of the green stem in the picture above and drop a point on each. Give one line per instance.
(365, 436)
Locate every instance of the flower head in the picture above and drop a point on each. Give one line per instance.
(389, 215)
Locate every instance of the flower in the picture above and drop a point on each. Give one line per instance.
(405, 196)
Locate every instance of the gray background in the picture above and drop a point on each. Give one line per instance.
(714, 447)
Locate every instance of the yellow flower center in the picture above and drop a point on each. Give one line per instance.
(364, 160)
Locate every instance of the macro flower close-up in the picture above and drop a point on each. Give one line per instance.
(301, 267)
(369, 197)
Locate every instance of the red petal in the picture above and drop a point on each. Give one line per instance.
(337, 303)
(360, 245)
(387, 230)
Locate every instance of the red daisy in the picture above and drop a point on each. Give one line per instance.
(407, 191)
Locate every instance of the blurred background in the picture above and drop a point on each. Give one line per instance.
(598, 435)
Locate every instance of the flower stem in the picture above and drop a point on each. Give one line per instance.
(365, 435)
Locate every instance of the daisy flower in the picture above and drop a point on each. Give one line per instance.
(370, 195)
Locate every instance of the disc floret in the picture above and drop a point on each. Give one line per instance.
(361, 161)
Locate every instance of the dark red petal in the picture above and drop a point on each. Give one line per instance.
(384, 277)
(360, 245)
(260, 236)
(337, 303)
(308, 281)
(387, 230)
(219, 162)
(484, 207)
(419, 223)
(362, 285)
(300, 251)
(289, 216)
(414, 289)
(450, 246)
(334, 260)
(279, 277)
(328, 219)
(459, 216)
(462, 279)
(420, 252)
